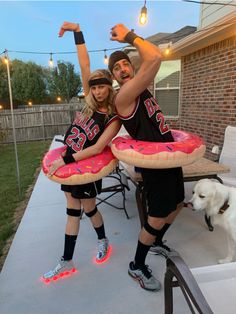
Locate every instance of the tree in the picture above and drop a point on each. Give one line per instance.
(4, 94)
(63, 81)
(28, 82)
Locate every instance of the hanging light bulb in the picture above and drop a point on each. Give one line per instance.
(143, 14)
(105, 57)
(50, 61)
(6, 60)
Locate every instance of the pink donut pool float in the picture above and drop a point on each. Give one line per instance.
(81, 172)
(186, 148)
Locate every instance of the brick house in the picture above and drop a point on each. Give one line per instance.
(199, 94)
(208, 80)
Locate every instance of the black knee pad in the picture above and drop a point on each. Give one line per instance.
(73, 212)
(150, 229)
(92, 213)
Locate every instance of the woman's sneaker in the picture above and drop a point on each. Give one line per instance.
(160, 249)
(144, 276)
(103, 250)
(63, 268)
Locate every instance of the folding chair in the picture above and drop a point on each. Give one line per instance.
(120, 186)
(179, 275)
(228, 156)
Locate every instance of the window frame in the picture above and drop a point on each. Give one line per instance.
(170, 88)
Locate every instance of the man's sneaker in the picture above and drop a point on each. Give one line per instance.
(160, 249)
(144, 276)
(103, 250)
(63, 268)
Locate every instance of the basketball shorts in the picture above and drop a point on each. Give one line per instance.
(164, 190)
(83, 191)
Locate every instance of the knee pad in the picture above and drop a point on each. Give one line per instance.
(73, 212)
(92, 213)
(150, 229)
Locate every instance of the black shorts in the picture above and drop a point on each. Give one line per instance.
(164, 189)
(89, 190)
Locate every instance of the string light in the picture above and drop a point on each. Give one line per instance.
(50, 61)
(6, 61)
(173, 37)
(105, 57)
(143, 14)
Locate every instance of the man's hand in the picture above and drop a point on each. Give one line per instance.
(67, 26)
(118, 32)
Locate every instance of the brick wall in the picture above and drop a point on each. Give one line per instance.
(208, 92)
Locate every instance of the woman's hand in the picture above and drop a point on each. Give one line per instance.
(55, 165)
(67, 26)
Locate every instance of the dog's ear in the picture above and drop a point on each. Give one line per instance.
(216, 199)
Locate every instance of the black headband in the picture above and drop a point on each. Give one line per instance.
(99, 81)
(115, 57)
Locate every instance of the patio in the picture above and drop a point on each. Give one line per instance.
(106, 288)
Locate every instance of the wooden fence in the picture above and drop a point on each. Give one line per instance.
(37, 123)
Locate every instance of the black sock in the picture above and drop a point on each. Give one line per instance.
(69, 247)
(100, 232)
(161, 233)
(141, 253)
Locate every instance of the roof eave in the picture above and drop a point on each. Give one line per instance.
(215, 32)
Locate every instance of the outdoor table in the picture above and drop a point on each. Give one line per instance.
(201, 169)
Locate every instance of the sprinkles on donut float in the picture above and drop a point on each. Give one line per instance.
(81, 172)
(186, 148)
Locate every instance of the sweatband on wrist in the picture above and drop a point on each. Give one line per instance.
(79, 38)
(130, 37)
(68, 159)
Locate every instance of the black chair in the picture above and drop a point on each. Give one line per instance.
(177, 268)
(120, 185)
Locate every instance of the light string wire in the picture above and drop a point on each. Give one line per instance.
(171, 36)
(62, 52)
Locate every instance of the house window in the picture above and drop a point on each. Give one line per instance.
(166, 87)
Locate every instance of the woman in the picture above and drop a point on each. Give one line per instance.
(91, 131)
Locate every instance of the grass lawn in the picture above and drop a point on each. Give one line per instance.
(30, 155)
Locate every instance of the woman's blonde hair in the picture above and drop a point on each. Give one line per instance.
(91, 104)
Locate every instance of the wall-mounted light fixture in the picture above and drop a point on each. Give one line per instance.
(168, 49)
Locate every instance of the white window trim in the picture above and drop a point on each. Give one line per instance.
(168, 88)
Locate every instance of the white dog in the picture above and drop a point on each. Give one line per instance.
(219, 203)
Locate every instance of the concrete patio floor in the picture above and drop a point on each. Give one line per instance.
(105, 288)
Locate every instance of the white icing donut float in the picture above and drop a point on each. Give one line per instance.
(81, 172)
(185, 149)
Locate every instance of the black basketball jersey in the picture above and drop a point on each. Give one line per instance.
(146, 122)
(85, 132)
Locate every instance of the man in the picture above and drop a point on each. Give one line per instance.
(143, 120)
